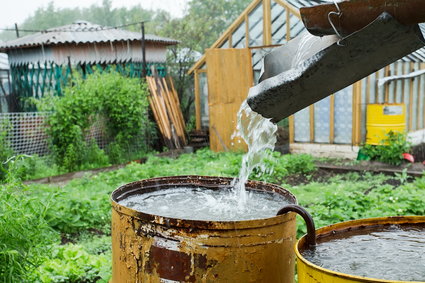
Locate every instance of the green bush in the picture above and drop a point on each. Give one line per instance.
(121, 101)
(390, 150)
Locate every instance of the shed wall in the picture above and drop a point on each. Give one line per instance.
(336, 115)
(103, 53)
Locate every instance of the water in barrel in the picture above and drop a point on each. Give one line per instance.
(395, 252)
(206, 204)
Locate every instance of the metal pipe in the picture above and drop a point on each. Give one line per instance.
(311, 229)
(357, 14)
(143, 50)
(16, 30)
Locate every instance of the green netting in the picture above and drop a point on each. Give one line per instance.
(37, 80)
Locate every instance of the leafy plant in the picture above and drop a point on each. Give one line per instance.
(390, 150)
(120, 101)
(72, 263)
(33, 218)
(402, 177)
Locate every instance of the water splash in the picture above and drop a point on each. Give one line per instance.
(205, 204)
(259, 134)
(304, 50)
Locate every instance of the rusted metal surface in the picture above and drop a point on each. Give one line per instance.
(150, 248)
(356, 14)
(311, 273)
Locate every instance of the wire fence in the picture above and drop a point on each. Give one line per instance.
(26, 132)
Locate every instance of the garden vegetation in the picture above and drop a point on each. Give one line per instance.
(62, 234)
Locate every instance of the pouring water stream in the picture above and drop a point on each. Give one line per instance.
(259, 133)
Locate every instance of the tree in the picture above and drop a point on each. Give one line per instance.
(51, 16)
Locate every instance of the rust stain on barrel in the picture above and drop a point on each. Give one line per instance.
(150, 248)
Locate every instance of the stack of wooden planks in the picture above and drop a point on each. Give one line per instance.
(165, 106)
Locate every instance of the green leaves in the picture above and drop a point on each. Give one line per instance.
(72, 263)
(32, 219)
(119, 102)
(342, 200)
(390, 150)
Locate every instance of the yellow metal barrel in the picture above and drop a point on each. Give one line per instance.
(311, 273)
(383, 118)
(151, 248)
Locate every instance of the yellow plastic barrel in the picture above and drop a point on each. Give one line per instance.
(311, 273)
(383, 118)
(151, 248)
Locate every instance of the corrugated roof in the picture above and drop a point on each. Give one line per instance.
(81, 32)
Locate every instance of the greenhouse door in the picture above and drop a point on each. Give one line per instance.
(230, 76)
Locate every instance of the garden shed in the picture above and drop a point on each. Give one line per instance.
(335, 126)
(43, 61)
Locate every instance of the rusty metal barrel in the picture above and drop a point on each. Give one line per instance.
(152, 248)
(311, 273)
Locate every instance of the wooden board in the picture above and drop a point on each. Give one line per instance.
(165, 106)
(229, 79)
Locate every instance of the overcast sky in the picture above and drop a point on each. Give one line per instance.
(15, 11)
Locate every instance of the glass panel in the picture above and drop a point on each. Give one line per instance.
(322, 120)
(278, 24)
(415, 99)
(343, 123)
(399, 84)
(203, 90)
(297, 26)
(421, 94)
(257, 57)
(257, 74)
(302, 125)
(238, 37)
(225, 44)
(406, 94)
(255, 20)
(392, 86)
(372, 84)
(381, 89)
(363, 110)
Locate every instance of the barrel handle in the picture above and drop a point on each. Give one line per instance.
(311, 230)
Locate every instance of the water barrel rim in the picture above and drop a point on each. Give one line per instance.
(349, 226)
(202, 181)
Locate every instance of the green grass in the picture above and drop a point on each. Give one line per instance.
(36, 219)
